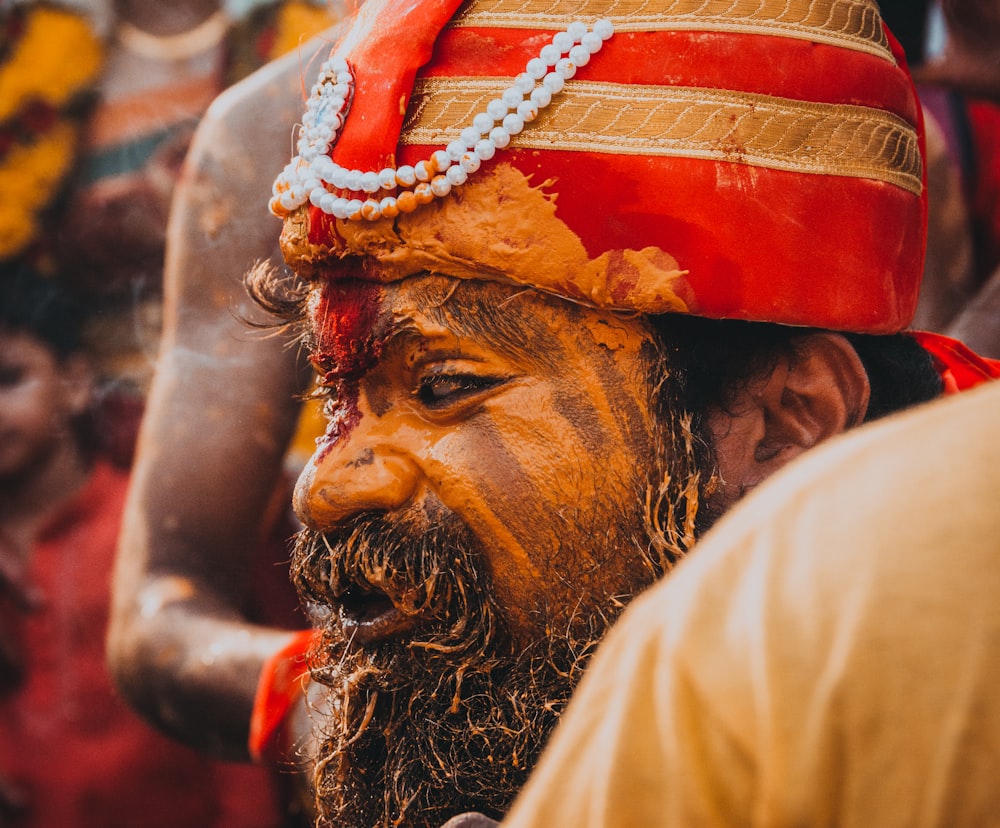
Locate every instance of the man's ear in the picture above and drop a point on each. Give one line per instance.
(821, 391)
(818, 391)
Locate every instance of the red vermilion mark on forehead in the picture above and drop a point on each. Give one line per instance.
(347, 344)
(343, 320)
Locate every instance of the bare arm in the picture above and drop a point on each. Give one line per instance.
(221, 411)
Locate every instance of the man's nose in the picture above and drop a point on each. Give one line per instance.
(358, 473)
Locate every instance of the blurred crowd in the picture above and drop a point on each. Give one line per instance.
(98, 102)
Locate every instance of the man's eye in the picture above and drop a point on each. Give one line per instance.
(437, 390)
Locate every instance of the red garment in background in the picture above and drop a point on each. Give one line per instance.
(75, 754)
(984, 124)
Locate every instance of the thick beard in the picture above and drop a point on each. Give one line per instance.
(452, 719)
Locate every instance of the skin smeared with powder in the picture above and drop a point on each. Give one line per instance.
(517, 412)
(473, 532)
(498, 227)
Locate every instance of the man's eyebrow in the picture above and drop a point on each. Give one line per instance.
(466, 311)
(496, 323)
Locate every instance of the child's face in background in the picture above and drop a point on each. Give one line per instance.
(39, 396)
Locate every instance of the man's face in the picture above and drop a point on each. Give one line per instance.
(476, 517)
(522, 417)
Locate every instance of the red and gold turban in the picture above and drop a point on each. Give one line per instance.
(749, 159)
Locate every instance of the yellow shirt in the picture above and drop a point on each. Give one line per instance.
(829, 655)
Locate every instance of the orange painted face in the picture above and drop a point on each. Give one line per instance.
(522, 416)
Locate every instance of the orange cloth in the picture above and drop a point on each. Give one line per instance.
(960, 367)
(282, 683)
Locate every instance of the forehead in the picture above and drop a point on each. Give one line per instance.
(351, 322)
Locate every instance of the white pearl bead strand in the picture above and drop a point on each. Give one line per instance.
(389, 192)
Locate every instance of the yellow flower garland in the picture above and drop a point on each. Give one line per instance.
(26, 173)
(297, 22)
(57, 56)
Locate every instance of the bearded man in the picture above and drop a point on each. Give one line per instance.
(573, 280)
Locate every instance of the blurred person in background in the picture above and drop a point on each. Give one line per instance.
(66, 86)
(227, 399)
(73, 754)
(164, 63)
(98, 102)
(954, 49)
(968, 71)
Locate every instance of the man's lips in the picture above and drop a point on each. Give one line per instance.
(367, 617)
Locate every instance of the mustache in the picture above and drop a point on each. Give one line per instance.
(446, 721)
(432, 570)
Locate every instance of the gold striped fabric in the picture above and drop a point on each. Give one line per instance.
(711, 124)
(852, 24)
